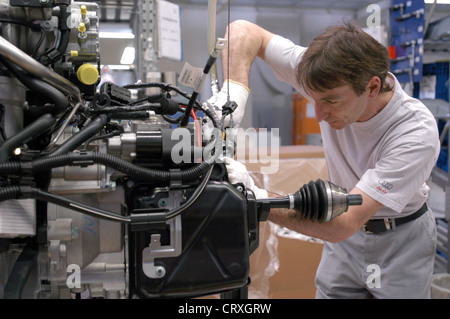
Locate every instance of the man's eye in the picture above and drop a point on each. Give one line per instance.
(331, 102)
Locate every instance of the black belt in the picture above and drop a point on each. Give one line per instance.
(377, 226)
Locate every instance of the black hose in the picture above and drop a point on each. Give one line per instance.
(127, 108)
(64, 38)
(42, 124)
(34, 84)
(184, 118)
(168, 87)
(14, 168)
(16, 192)
(80, 207)
(213, 117)
(10, 192)
(163, 86)
(139, 173)
(59, 99)
(87, 132)
(177, 211)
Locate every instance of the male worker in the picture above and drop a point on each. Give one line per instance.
(378, 142)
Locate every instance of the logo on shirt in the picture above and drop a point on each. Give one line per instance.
(384, 186)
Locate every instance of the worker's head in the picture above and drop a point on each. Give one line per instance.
(341, 69)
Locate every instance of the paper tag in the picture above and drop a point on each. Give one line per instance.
(190, 76)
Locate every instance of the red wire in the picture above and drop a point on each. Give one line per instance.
(197, 127)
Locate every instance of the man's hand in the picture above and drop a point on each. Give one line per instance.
(237, 173)
(238, 93)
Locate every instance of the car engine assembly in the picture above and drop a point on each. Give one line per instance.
(92, 203)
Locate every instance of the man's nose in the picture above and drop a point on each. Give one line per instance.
(321, 111)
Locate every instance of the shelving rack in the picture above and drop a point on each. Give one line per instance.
(411, 40)
(441, 177)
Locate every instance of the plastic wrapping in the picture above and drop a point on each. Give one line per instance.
(285, 263)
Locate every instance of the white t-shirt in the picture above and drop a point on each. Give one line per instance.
(389, 157)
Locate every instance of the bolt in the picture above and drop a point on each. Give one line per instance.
(46, 25)
(162, 202)
(43, 2)
(160, 271)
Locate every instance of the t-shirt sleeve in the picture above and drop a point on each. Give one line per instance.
(283, 56)
(400, 172)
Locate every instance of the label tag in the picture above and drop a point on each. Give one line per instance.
(190, 76)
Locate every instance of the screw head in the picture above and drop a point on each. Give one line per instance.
(160, 271)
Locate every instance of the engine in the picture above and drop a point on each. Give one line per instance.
(106, 195)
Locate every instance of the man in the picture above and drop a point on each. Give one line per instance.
(378, 142)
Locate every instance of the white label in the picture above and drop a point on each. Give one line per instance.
(190, 76)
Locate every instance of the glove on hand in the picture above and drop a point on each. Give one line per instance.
(237, 173)
(238, 93)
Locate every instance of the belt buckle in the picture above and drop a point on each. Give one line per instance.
(389, 223)
(364, 229)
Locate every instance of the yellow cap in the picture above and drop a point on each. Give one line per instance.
(83, 9)
(87, 74)
(82, 27)
(73, 53)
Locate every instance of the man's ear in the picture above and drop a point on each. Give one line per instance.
(374, 86)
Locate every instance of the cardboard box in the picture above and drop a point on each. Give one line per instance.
(285, 264)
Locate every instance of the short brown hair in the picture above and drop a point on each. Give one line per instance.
(342, 55)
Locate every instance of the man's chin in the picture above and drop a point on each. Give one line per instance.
(336, 125)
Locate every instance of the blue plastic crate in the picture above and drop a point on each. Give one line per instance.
(441, 70)
(442, 161)
(441, 124)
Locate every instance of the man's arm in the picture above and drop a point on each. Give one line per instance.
(335, 230)
(246, 42)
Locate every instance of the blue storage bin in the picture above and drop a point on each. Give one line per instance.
(442, 161)
(441, 70)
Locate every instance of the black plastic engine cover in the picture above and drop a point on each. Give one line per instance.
(215, 248)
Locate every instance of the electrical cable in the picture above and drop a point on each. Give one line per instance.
(177, 211)
(168, 87)
(39, 126)
(197, 127)
(63, 126)
(209, 63)
(87, 132)
(88, 158)
(17, 192)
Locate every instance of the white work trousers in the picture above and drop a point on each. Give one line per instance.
(394, 264)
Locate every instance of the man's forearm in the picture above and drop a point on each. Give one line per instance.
(246, 41)
(294, 221)
(335, 230)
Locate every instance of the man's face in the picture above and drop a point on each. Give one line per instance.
(340, 106)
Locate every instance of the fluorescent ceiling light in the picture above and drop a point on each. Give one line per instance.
(115, 35)
(127, 56)
(438, 1)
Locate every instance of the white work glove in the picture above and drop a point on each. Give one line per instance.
(237, 173)
(238, 93)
